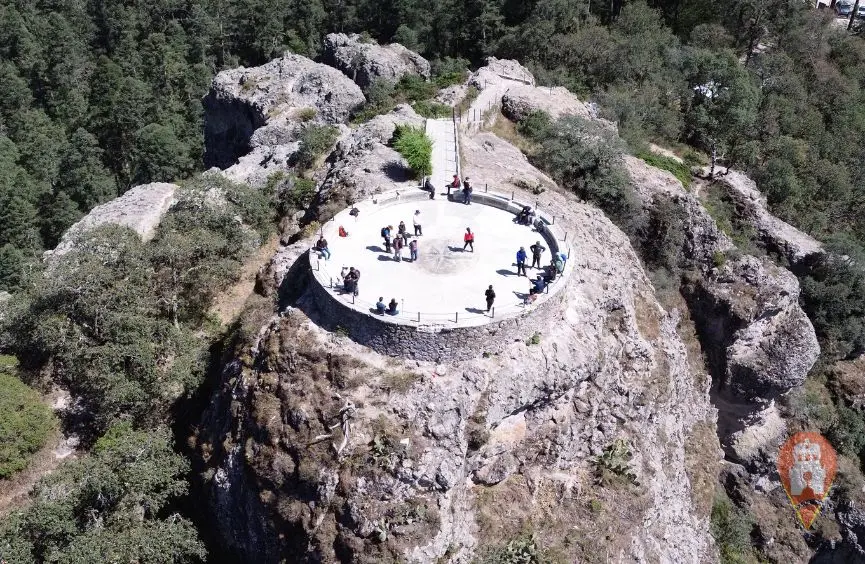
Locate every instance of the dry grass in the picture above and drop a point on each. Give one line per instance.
(228, 305)
(506, 129)
(702, 466)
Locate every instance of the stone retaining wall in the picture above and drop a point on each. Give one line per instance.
(446, 343)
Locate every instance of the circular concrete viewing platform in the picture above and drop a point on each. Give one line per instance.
(442, 293)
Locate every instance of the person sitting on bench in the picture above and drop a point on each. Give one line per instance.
(379, 306)
(391, 307)
(538, 286)
(550, 273)
(523, 216)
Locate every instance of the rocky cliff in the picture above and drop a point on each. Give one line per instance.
(260, 109)
(141, 209)
(367, 62)
(596, 436)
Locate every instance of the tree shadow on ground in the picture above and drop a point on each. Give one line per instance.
(375, 249)
(396, 171)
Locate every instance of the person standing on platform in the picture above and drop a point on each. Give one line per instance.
(469, 240)
(491, 297)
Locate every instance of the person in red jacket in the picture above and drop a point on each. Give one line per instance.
(456, 184)
(469, 239)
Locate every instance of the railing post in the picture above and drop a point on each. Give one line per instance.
(554, 220)
(418, 317)
(512, 195)
(456, 317)
(493, 314)
(352, 298)
(331, 282)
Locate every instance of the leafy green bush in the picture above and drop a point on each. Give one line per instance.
(521, 550)
(413, 88)
(613, 465)
(586, 158)
(416, 148)
(314, 141)
(25, 423)
(108, 506)
(118, 317)
(430, 109)
(535, 126)
(681, 171)
(449, 71)
(847, 433)
(731, 528)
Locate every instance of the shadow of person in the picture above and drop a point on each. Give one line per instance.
(475, 310)
(455, 249)
(505, 272)
(385, 258)
(375, 249)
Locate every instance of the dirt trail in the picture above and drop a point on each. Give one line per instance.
(14, 491)
(228, 305)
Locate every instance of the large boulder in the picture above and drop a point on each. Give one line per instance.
(265, 106)
(523, 99)
(141, 209)
(367, 62)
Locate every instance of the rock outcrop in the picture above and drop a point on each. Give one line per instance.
(141, 209)
(263, 107)
(521, 100)
(774, 234)
(758, 341)
(318, 449)
(367, 62)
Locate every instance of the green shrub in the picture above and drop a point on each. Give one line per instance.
(522, 550)
(301, 194)
(110, 505)
(535, 339)
(25, 423)
(449, 71)
(315, 140)
(614, 464)
(586, 158)
(472, 94)
(416, 148)
(413, 88)
(535, 126)
(681, 171)
(719, 259)
(848, 431)
(731, 528)
(430, 109)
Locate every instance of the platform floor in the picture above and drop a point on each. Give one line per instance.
(446, 281)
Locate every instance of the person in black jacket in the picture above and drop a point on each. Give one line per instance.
(491, 296)
(537, 250)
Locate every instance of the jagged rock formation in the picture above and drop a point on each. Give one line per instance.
(521, 100)
(759, 342)
(318, 449)
(775, 235)
(261, 108)
(367, 62)
(141, 209)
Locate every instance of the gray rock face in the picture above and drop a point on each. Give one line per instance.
(520, 101)
(271, 101)
(414, 481)
(367, 62)
(776, 235)
(758, 341)
(141, 209)
(852, 521)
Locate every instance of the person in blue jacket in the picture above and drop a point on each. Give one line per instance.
(521, 262)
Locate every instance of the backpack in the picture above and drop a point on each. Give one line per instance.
(384, 231)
